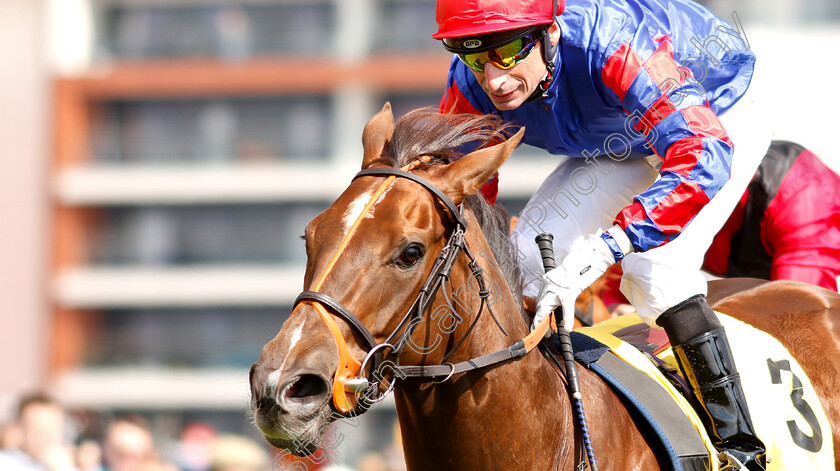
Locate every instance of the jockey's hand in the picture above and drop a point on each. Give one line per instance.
(585, 264)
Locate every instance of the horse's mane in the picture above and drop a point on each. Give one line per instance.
(444, 137)
(495, 223)
(448, 137)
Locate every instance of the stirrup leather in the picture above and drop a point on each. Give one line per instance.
(727, 462)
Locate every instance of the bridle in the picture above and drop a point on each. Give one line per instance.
(354, 377)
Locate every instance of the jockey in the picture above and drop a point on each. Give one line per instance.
(786, 225)
(649, 100)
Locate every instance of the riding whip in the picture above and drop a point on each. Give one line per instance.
(545, 243)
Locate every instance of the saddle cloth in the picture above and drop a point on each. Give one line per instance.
(785, 409)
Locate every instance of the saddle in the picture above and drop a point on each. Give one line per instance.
(635, 359)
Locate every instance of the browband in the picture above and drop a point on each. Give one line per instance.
(386, 172)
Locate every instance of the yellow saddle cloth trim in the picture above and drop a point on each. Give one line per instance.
(785, 409)
(603, 332)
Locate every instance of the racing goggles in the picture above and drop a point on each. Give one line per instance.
(504, 50)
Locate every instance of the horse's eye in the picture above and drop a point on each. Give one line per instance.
(410, 255)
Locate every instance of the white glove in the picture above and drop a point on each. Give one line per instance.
(579, 269)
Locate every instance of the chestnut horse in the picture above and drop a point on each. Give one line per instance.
(369, 260)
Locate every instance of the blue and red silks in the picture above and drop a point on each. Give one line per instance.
(635, 78)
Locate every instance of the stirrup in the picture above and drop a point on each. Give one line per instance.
(727, 462)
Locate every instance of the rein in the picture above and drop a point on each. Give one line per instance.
(587, 319)
(350, 375)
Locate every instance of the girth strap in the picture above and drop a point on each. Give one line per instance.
(336, 308)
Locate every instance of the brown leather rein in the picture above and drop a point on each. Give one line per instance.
(363, 381)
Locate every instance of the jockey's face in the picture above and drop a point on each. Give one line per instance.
(509, 88)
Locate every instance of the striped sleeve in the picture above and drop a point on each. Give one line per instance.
(679, 127)
(454, 101)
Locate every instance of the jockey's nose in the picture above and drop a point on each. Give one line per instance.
(496, 77)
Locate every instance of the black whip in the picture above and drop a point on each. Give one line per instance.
(546, 245)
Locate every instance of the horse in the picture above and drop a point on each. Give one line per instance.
(407, 268)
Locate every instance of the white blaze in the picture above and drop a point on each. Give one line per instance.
(354, 209)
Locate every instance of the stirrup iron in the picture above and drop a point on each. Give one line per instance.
(728, 462)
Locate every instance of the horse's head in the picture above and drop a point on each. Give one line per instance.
(368, 259)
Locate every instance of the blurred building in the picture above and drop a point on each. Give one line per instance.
(181, 148)
(161, 158)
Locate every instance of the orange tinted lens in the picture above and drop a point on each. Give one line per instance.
(503, 57)
(475, 61)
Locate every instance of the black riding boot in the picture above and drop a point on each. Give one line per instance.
(702, 351)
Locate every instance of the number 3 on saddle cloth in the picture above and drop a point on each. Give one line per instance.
(786, 412)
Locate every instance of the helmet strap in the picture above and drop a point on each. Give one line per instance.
(542, 89)
(549, 53)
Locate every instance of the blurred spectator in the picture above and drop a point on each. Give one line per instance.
(390, 459)
(89, 455)
(10, 436)
(234, 453)
(128, 445)
(394, 454)
(40, 421)
(160, 466)
(372, 462)
(196, 442)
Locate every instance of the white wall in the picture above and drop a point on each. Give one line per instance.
(800, 78)
(23, 199)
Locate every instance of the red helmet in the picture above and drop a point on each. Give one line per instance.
(460, 18)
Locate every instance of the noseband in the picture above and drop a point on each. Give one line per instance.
(354, 377)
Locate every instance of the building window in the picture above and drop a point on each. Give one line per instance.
(234, 31)
(406, 26)
(213, 130)
(179, 338)
(189, 235)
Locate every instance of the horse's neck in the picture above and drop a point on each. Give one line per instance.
(512, 416)
(496, 418)
(515, 415)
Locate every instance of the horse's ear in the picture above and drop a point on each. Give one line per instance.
(377, 134)
(466, 175)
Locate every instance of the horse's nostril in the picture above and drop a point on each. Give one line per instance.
(306, 386)
(265, 404)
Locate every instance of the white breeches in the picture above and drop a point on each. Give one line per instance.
(579, 198)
